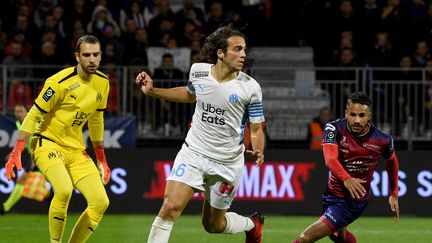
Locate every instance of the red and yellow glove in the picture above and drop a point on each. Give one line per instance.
(15, 159)
(102, 164)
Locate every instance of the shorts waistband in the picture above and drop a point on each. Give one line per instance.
(40, 137)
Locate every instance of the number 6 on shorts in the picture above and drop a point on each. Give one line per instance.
(179, 171)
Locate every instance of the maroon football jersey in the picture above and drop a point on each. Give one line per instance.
(359, 155)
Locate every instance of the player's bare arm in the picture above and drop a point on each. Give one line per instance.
(258, 142)
(23, 135)
(177, 94)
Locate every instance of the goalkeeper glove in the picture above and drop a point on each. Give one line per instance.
(102, 164)
(15, 159)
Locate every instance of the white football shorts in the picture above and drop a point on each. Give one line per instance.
(218, 181)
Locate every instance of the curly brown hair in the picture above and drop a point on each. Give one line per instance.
(218, 40)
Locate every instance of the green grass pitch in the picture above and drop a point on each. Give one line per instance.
(30, 228)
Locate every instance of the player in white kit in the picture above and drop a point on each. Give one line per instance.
(212, 156)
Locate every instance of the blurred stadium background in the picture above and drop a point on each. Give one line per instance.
(306, 54)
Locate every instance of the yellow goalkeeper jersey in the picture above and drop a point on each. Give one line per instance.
(64, 106)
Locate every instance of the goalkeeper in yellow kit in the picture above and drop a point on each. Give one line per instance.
(67, 101)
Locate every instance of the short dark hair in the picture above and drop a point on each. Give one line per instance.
(21, 104)
(360, 98)
(167, 55)
(86, 39)
(218, 40)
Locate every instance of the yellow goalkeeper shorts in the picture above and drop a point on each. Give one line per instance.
(77, 162)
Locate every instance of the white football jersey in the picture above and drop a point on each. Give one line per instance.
(221, 111)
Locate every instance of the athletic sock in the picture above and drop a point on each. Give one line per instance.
(57, 218)
(237, 223)
(13, 198)
(84, 227)
(160, 231)
(349, 237)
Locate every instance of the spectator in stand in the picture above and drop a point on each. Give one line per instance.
(79, 10)
(215, 18)
(162, 23)
(101, 17)
(417, 11)
(134, 12)
(136, 52)
(58, 14)
(406, 71)
(197, 35)
(382, 54)
(112, 44)
(50, 24)
(395, 20)
(191, 12)
(410, 92)
(110, 54)
(55, 38)
(114, 7)
(346, 42)
(77, 33)
(167, 28)
(316, 128)
(167, 113)
(422, 54)
(151, 9)
(172, 42)
(368, 16)
(167, 70)
(189, 27)
(46, 56)
(19, 36)
(345, 18)
(346, 59)
(128, 35)
(19, 93)
(17, 58)
(25, 10)
(43, 8)
(195, 46)
(346, 65)
(423, 30)
(403, 93)
(25, 25)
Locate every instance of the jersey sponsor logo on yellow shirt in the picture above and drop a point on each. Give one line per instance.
(48, 94)
(99, 97)
(73, 86)
(80, 118)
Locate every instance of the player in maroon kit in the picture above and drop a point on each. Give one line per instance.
(352, 147)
